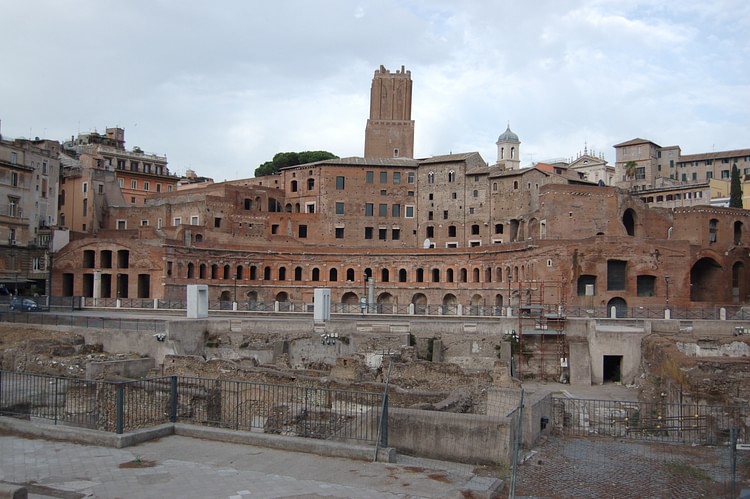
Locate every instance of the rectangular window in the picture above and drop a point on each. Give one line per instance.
(44, 168)
(85, 187)
(368, 232)
(194, 220)
(395, 234)
(14, 179)
(646, 285)
(339, 233)
(158, 187)
(121, 182)
(640, 173)
(410, 177)
(309, 207)
(274, 228)
(169, 188)
(445, 214)
(13, 158)
(340, 183)
(133, 184)
(409, 211)
(302, 231)
(146, 186)
(709, 175)
(122, 225)
(396, 211)
(339, 208)
(725, 174)
(369, 177)
(217, 222)
(369, 209)
(396, 177)
(616, 275)
(382, 234)
(382, 210)
(177, 221)
(383, 177)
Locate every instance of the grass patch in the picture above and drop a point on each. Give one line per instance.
(685, 470)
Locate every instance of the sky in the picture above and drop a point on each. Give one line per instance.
(220, 87)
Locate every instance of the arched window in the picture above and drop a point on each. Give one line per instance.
(239, 273)
(267, 274)
(227, 272)
(310, 184)
(190, 270)
(297, 273)
(282, 273)
(294, 186)
(350, 275)
(202, 271)
(451, 176)
(384, 275)
(315, 274)
(333, 275)
(476, 275)
(449, 275)
(402, 275)
(420, 275)
(431, 178)
(253, 273)
(214, 271)
(435, 275)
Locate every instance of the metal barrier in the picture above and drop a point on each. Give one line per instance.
(682, 423)
(304, 411)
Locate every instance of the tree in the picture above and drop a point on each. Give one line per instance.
(285, 159)
(735, 189)
(630, 167)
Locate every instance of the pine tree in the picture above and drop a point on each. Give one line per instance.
(735, 189)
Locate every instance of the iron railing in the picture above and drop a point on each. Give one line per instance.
(293, 410)
(681, 423)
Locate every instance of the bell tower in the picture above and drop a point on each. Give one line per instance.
(390, 129)
(508, 150)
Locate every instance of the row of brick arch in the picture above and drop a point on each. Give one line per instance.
(282, 273)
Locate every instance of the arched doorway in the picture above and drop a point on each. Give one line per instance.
(450, 304)
(621, 307)
(628, 220)
(706, 281)
(385, 303)
(282, 296)
(419, 300)
(350, 302)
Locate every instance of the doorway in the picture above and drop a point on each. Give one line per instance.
(612, 369)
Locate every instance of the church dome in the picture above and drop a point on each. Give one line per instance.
(508, 136)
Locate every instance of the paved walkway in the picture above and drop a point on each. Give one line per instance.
(185, 467)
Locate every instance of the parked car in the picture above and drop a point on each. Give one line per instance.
(23, 304)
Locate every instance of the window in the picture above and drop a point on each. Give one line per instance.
(133, 184)
(293, 186)
(177, 221)
(410, 178)
(451, 231)
(396, 210)
(274, 228)
(383, 210)
(194, 220)
(383, 177)
(14, 178)
(369, 177)
(44, 168)
(454, 195)
(339, 233)
(725, 174)
(368, 232)
(431, 178)
(409, 211)
(145, 186)
(217, 222)
(369, 209)
(395, 234)
(646, 285)
(382, 234)
(475, 193)
(340, 182)
(429, 215)
(13, 206)
(302, 231)
(158, 187)
(339, 208)
(85, 187)
(616, 275)
(121, 182)
(451, 176)
(396, 177)
(310, 184)
(583, 282)
(445, 214)
(122, 225)
(713, 229)
(498, 228)
(144, 223)
(395, 152)
(430, 231)
(169, 188)
(13, 158)
(475, 229)
(310, 207)
(471, 211)
(85, 207)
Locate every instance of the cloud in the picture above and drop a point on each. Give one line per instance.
(222, 88)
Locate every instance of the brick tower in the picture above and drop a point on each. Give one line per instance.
(390, 129)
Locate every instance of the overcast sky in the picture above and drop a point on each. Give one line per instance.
(220, 87)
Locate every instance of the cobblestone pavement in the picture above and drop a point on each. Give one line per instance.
(183, 467)
(599, 467)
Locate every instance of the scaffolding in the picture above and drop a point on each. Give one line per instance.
(542, 341)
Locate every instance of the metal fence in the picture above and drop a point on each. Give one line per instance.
(52, 319)
(681, 423)
(634, 449)
(302, 411)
